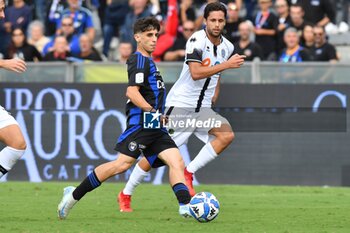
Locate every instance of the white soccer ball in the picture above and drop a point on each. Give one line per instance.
(204, 207)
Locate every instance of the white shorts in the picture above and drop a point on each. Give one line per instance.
(6, 119)
(183, 122)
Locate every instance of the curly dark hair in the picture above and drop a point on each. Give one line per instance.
(146, 24)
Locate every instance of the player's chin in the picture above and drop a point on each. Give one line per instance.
(151, 49)
(217, 33)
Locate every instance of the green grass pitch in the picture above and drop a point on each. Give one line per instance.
(31, 207)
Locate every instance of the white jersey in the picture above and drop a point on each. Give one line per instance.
(187, 92)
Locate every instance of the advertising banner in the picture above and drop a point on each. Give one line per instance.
(284, 134)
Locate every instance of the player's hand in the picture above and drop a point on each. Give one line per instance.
(15, 64)
(236, 61)
(164, 120)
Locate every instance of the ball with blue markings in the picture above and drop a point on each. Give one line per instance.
(204, 207)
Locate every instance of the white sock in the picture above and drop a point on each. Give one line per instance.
(136, 177)
(205, 155)
(8, 158)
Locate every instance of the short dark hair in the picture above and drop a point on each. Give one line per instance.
(214, 6)
(146, 24)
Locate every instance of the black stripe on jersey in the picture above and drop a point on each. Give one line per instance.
(169, 111)
(201, 96)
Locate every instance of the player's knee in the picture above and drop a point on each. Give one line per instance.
(177, 164)
(227, 137)
(19, 144)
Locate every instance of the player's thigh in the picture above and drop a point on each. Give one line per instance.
(12, 136)
(178, 126)
(10, 133)
(161, 142)
(181, 138)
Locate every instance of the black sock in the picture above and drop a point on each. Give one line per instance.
(182, 194)
(90, 183)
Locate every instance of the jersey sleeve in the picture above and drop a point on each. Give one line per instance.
(194, 50)
(137, 70)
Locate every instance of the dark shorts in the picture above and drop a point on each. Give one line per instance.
(150, 142)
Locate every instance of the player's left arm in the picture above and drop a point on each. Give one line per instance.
(216, 93)
(198, 71)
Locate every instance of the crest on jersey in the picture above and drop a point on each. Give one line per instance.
(223, 53)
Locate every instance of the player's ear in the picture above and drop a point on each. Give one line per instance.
(205, 22)
(137, 37)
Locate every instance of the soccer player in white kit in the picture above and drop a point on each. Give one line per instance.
(10, 133)
(207, 54)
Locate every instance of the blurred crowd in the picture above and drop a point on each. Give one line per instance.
(101, 30)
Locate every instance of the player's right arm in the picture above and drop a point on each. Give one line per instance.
(198, 71)
(16, 65)
(134, 95)
(194, 59)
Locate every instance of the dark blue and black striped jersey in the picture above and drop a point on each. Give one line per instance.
(142, 72)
